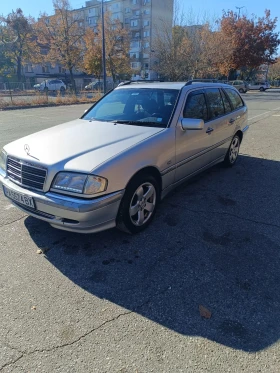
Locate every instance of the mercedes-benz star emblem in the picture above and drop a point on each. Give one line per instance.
(27, 149)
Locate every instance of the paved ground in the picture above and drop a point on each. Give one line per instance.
(115, 303)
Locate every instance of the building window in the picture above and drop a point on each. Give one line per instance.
(136, 12)
(146, 44)
(146, 34)
(134, 55)
(146, 65)
(135, 65)
(28, 69)
(126, 20)
(146, 22)
(127, 10)
(146, 55)
(147, 11)
(134, 2)
(134, 44)
(45, 69)
(134, 23)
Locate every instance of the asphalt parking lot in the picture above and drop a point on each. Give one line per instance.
(110, 302)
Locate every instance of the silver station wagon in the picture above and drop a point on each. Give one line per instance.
(112, 166)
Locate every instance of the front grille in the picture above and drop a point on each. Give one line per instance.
(26, 174)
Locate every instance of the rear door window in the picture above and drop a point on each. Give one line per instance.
(235, 98)
(215, 102)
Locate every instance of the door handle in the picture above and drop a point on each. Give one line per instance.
(231, 121)
(209, 130)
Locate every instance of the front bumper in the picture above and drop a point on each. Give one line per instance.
(68, 213)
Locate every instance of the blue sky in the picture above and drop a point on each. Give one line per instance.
(211, 8)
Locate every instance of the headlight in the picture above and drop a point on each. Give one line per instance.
(3, 159)
(79, 183)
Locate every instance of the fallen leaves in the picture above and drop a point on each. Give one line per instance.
(204, 312)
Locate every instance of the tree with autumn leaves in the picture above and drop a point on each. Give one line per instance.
(62, 37)
(117, 43)
(18, 41)
(252, 41)
(202, 51)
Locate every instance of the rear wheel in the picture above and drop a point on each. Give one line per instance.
(233, 152)
(241, 90)
(139, 204)
(62, 89)
(262, 89)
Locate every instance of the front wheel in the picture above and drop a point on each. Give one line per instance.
(233, 152)
(139, 204)
(262, 89)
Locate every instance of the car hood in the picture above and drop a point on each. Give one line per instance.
(79, 145)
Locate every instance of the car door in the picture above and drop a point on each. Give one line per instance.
(221, 121)
(192, 146)
(239, 112)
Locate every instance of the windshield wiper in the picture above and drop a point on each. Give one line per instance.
(139, 123)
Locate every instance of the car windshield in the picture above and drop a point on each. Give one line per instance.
(135, 106)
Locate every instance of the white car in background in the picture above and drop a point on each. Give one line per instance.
(51, 85)
(259, 86)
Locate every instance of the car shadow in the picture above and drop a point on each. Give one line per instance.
(215, 243)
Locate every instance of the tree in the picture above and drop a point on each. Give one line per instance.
(117, 44)
(18, 39)
(172, 51)
(62, 37)
(253, 41)
(93, 54)
(274, 71)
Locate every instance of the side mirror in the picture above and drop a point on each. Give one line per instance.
(192, 124)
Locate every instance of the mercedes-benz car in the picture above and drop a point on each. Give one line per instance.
(112, 166)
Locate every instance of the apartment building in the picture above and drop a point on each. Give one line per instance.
(144, 20)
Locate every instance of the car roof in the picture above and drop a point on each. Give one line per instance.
(169, 85)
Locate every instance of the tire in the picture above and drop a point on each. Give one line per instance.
(62, 89)
(46, 89)
(262, 89)
(134, 200)
(233, 152)
(241, 90)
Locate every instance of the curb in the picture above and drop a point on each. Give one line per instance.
(9, 108)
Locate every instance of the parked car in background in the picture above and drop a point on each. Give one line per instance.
(97, 86)
(240, 85)
(260, 86)
(51, 85)
(112, 166)
(36, 87)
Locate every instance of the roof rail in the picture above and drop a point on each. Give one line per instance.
(190, 82)
(127, 82)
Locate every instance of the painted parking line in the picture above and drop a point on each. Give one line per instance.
(267, 112)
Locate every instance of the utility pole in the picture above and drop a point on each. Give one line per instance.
(103, 47)
(239, 8)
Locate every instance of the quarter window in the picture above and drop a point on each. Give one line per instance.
(195, 106)
(235, 99)
(215, 102)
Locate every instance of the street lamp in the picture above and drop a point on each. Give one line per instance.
(103, 47)
(239, 8)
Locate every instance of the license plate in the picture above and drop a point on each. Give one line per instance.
(19, 197)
